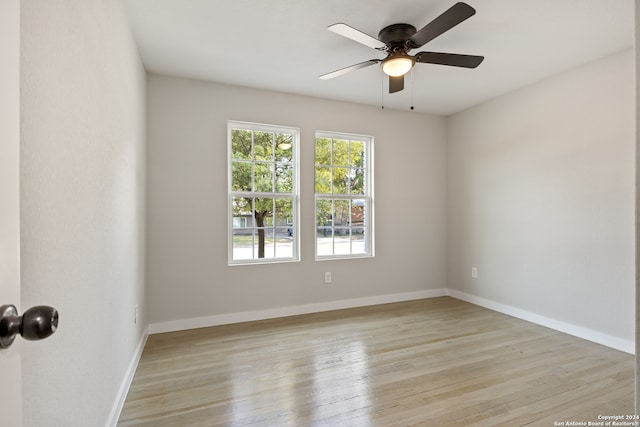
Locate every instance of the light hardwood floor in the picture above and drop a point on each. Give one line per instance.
(434, 362)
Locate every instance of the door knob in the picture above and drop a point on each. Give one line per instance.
(36, 323)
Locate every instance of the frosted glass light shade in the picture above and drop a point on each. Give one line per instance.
(397, 66)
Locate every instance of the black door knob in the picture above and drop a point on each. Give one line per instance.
(36, 323)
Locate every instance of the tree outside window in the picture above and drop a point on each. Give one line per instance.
(263, 193)
(343, 188)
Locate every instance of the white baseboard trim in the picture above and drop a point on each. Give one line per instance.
(116, 410)
(568, 328)
(273, 313)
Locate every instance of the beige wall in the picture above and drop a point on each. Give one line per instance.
(82, 205)
(10, 360)
(188, 276)
(541, 198)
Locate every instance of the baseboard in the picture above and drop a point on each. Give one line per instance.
(577, 331)
(248, 316)
(126, 382)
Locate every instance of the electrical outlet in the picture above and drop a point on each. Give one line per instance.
(135, 315)
(474, 272)
(327, 277)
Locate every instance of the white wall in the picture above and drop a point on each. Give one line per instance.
(188, 276)
(82, 208)
(541, 198)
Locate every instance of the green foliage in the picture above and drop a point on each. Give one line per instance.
(324, 211)
(356, 161)
(283, 178)
(340, 171)
(241, 176)
(283, 210)
(340, 152)
(341, 212)
(263, 177)
(241, 144)
(323, 180)
(339, 166)
(263, 146)
(261, 161)
(323, 151)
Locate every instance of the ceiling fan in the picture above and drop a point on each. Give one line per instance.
(398, 40)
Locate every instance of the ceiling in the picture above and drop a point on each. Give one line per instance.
(284, 45)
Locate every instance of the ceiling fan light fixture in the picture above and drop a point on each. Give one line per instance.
(398, 65)
(397, 40)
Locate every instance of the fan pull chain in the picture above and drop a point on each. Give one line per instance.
(382, 90)
(412, 89)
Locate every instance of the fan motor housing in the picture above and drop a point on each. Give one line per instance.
(396, 33)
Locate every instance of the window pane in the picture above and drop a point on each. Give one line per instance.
(323, 212)
(263, 209)
(242, 244)
(284, 212)
(324, 246)
(342, 242)
(284, 243)
(323, 151)
(341, 214)
(284, 178)
(340, 152)
(358, 212)
(241, 144)
(256, 248)
(241, 176)
(324, 242)
(356, 154)
(269, 243)
(324, 232)
(284, 148)
(358, 246)
(357, 181)
(263, 145)
(323, 180)
(263, 177)
(242, 208)
(340, 181)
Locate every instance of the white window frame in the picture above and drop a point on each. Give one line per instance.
(368, 196)
(294, 195)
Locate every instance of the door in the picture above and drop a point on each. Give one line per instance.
(10, 360)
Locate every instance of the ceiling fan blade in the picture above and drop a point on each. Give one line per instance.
(454, 59)
(356, 35)
(346, 70)
(453, 16)
(396, 84)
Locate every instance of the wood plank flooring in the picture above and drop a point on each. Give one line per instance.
(434, 362)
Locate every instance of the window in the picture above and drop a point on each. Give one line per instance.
(263, 193)
(344, 195)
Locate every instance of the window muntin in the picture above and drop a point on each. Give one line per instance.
(263, 193)
(343, 195)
